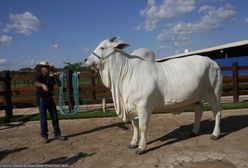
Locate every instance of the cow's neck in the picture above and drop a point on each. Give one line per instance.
(104, 73)
(113, 68)
(118, 67)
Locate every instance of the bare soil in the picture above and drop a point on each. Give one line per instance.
(103, 143)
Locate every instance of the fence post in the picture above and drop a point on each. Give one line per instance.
(104, 105)
(8, 95)
(93, 84)
(70, 89)
(235, 79)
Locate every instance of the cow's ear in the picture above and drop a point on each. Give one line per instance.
(112, 39)
(120, 45)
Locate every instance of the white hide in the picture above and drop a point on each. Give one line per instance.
(140, 87)
(144, 53)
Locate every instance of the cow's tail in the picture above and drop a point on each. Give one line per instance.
(217, 84)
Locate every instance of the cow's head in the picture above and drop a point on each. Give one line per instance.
(103, 51)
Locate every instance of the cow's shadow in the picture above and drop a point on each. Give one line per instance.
(228, 125)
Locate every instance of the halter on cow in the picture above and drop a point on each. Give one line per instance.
(140, 87)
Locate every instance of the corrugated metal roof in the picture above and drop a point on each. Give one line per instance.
(235, 49)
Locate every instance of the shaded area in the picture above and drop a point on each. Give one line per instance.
(228, 125)
(120, 125)
(10, 125)
(5, 153)
(68, 160)
(18, 118)
(210, 164)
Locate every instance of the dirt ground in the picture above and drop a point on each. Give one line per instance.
(93, 143)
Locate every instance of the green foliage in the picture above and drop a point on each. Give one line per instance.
(73, 66)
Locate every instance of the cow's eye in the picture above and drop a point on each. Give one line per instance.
(102, 48)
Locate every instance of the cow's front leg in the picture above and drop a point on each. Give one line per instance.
(134, 142)
(198, 107)
(144, 117)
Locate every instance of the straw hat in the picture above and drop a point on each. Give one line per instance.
(42, 64)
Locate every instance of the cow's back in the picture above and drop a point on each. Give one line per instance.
(183, 81)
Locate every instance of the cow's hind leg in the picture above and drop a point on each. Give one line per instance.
(214, 100)
(198, 108)
(134, 142)
(144, 118)
(216, 108)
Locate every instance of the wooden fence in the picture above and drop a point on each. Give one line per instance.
(236, 83)
(19, 91)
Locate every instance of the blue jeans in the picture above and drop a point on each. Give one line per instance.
(45, 104)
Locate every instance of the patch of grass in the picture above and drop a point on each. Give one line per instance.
(98, 114)
(20, 118)
(94, 114)
(81, 115)
(225, 106)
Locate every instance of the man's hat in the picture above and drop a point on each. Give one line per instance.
(42, 64)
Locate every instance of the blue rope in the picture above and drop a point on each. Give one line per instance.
(62, 78)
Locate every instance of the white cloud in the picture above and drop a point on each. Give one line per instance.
(55, 46)
(168, 9)
(163, 47)
(24, 23)
(215, 1)
(206, 8)
(85, 50)
(5, 40)
(246, 20)
(182, 42)
(3, 61)
(212, 20)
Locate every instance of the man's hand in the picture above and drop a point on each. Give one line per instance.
(44, 87)
(55, 74)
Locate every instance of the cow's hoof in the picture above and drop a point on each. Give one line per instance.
(192, 134)
(130, 146)
(140, 151)
(213, 137)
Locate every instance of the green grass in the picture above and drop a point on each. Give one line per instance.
(225, 106)
(99, 114)
(81, 115)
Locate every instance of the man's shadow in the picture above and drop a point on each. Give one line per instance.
(5, 153)
(228, 125)
(69, 160)
(120, 125)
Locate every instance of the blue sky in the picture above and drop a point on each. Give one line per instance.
(64, 30)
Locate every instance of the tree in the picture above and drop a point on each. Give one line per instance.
(75, 66)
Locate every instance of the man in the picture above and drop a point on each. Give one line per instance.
(44, 83)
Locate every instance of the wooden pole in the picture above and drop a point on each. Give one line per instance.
(93, 84)
(104, 105)
(70, 89)
(235, 79)
(8, 96)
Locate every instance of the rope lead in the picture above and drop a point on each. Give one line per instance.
(62, 78)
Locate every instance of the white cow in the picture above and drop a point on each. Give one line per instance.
(144, 53)
(140, 87)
